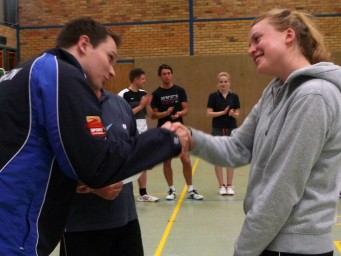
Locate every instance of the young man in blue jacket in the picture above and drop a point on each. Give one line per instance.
(52, 137)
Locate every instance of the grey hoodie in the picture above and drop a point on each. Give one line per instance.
(292, 138)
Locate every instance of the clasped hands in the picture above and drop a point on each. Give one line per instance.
(110, 192)
(183, 133)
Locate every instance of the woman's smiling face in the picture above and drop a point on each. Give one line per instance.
(267, 47)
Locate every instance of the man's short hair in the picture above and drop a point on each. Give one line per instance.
(96, 32)
(164, 66)
(135, 73)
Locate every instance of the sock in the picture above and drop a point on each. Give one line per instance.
(172, 188)
(228, 185)
(190, 188)
(143, 191)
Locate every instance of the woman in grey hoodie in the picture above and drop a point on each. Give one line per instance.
(291, 138)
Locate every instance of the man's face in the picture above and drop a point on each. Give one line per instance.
(98, 62)
(166, 76)
(140, 81)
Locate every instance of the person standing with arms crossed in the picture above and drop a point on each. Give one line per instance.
(169, 103)
(223, 107)
(139, 101)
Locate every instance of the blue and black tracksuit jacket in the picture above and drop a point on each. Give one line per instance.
(51, 137)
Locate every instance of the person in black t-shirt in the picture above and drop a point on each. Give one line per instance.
(104, 221)
(169, 103)
(223, 107)
(139, 101)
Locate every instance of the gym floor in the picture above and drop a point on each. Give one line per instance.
(185, 227)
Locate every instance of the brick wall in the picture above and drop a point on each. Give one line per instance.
(11, 35)
(167, 28)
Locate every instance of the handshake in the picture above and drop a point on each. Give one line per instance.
(184, 133)
(110, 192)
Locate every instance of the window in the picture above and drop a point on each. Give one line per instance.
(2, 58)
(10, 12)
(11, 59)
(8, 59)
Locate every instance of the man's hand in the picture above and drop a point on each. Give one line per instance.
(169, 111)
(145, 100)
(176, 115)
(183, 133)
(167, 125)
(109, 192)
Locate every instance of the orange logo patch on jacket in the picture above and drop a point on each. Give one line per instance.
(95, 126)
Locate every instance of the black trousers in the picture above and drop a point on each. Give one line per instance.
(271, 253)
(120, 241)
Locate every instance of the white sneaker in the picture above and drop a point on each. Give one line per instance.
(194, 195)
(222, 190)
(229, 191)
(147, 198)
(171, 194)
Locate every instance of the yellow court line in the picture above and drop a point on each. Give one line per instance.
(175, 212)
(338, 245)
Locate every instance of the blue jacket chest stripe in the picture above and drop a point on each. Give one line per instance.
(44, 96)
(24, 179)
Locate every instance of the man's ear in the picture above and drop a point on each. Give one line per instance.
(83, 43)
